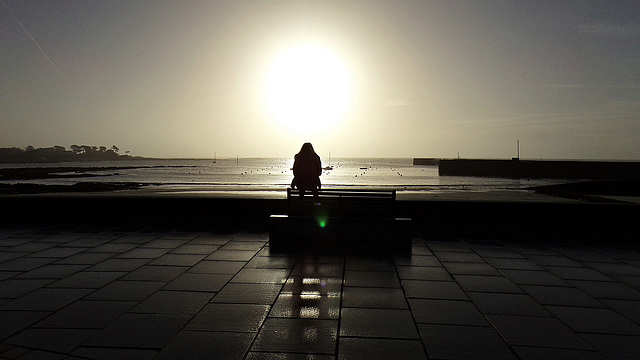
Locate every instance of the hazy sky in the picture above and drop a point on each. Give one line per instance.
(428, 78)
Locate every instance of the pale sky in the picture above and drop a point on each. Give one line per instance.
(426, 78)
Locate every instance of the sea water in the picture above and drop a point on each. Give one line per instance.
(268, 174)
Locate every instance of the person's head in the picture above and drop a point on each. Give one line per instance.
(307, 148)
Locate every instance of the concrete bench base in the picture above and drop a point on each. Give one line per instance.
(294, 233)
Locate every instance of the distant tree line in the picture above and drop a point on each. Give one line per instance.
(57, 153)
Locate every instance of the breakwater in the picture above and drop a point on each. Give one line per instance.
(539, 169)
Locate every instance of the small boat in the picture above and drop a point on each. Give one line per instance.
(329, 167)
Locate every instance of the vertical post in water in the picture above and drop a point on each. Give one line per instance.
(518, 147)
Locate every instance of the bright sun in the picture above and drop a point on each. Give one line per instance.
(308, 89)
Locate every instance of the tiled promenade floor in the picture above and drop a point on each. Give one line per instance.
(148, 294)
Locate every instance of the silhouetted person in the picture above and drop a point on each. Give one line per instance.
(306, 170)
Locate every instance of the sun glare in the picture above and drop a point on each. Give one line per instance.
(308, 89)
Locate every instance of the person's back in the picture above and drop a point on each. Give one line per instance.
(307, 169)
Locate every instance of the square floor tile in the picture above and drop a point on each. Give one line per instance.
(156, 273)
(538, 353)
(147, 331)
(537, 331)
(383, 349)
(482, 283)
(261, 276)
(58, 340)
(448, 312)
(310, 305)
(595, 320)
(474, 268)
(87, 315)
(558, 295)
(248, 293)
(463, 342)
(423, 273)
(229, 317)
(297, 335)
(375, 298)
(46, 299)
(377, 323)
(433, 290)
(173, 302)
(121, 290)
(527, 277)
(198, 282)
(217, 267)
(371, 279)
(204, 345)
(508, 304)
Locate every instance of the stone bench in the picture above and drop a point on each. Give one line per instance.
(361, 220)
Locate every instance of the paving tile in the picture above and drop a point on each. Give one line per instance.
(374, 298)
(539, 353)
(86, 258)
(507, 304)
(457, 268)
(615, 268)
(458, 256)
(25, 264)
(383, 349)
(448, 312)
(365, 264)
(13, 321)
(304, 285)
(124, 290)
(255, 355)
(112, 353)
(203, 345)
(195, 249)
(86, 315)
(9, 274)
(527, 277)
(316, 270)
(261, 276)
(577, 273)
(164, 243)
(229, 317)
(26, 247)
(173, 302)
(627, 308)
(423, 273)
(156, 273)
(14, 288)
(377, 323)
(297, 335)
(585, 255)
(463, 342)
(483, 283)
(113, 248)
(595, 320)
(433, 290)
(497, 252)
(217, 267)
(52, 271)
(119, 265)
(615, 346)
(310, 304)
(371, 279)
(514, 264)
(448, 246)
(232, 255)
(147, 331)
(143, 253)
(58, 340)
(273, 262)
(56, 252)
(46, 299)
(248, 293)
(418, 260)
(631, 281)
(606, 290)
(243, 245)
(536, 331)
(558, 295)
(210, 240)
(177, 259)
(88, 279)
(554, 260)
(37, 355)
(134, 239)
(198, 282)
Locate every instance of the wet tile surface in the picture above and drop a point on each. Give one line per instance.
(197, 294)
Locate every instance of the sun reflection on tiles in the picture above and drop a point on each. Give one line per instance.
(310, 295)
(309, 312)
